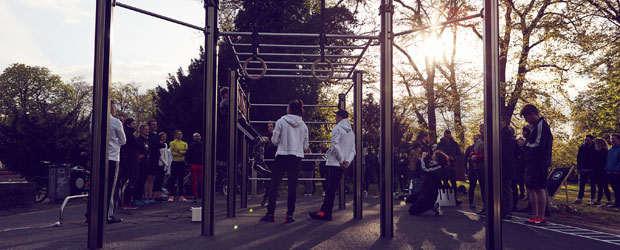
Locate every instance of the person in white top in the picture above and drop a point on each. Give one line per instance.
(339, 156)
(117, 139)
(291, 137)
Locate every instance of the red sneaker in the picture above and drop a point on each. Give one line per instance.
(543, 221)
(533, 220)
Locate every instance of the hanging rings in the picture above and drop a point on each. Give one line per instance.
(329, 65)
(262, 73)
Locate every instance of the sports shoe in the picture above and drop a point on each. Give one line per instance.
(533, 220)
(437, 209)
(323, 194)
(320, 215)
(129, 207)
(170, 198)
(482, 212)
(365, 193)
(577, 201)
(289, 219)
(183, 199)
(113, 220)
(472, 206)
(543, 221)
(268, 218)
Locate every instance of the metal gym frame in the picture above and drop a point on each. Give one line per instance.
(101, 102)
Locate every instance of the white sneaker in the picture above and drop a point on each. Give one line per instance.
(323, 194)
(365, 193)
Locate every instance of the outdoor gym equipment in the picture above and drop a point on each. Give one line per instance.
(386, 35)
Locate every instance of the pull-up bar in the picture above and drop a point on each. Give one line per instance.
(129, 7)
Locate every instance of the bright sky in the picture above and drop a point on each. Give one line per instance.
(59, 35)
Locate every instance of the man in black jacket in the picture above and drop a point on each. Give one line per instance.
(453, 150)
(585, 159)
(538, 148)
(508, 143)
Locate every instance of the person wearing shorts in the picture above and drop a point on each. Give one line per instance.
(538, 148)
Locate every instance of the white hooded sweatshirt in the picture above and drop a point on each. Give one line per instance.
(342, 145)
(290, 136)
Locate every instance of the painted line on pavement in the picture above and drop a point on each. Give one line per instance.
(564, 229)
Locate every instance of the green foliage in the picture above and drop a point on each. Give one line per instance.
(140, 106)
(371, 121)
(179, 104)
(41, 117)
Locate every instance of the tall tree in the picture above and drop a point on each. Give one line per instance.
(41, 117)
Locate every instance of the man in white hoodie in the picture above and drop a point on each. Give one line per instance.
(339, 156)
(291, 137)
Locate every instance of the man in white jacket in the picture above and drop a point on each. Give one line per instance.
(291, 137)
(339, 156)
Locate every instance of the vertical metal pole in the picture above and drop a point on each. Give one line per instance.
(97, 214)
(232, 146)
(357, 197)
(342, 104)
(492, 145)
(244, 172)
(342, 101)
(209, 104)
(254, 184)
(386, 40)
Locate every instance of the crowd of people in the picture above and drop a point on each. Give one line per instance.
(599, 166)
(146, 168)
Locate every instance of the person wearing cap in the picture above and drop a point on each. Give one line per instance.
(339, 156)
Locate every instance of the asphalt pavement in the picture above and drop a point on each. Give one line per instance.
(168, 226)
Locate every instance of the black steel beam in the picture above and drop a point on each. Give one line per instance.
(209, 104)
(244, 172)
(97, 214)
(386, 39)
(342, 104)
(357, 120)
(232, 146)
(492, 146)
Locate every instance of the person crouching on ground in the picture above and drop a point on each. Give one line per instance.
(291, 137)
(339, 156)
(427, 198)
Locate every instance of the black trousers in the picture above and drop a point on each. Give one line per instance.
(334, 175)
(368, 171)
(614, 180)
(586, 176)
(177, 173)
(323, 174)
(507, 196)
(131, 173)
(289, 164)
(602, 185)
(480, 175)
(473, 181)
